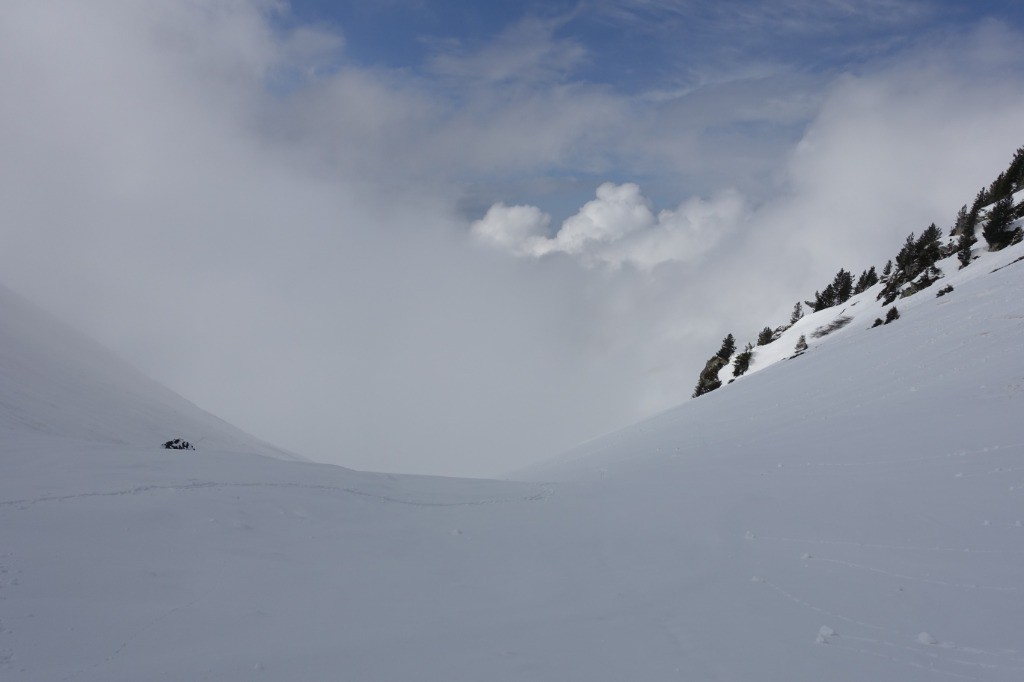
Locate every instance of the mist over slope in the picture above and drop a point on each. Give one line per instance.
(56, 382)
(939, 363)
(851, 514)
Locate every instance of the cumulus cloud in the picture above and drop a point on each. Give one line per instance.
(517, 229)
(616, 228)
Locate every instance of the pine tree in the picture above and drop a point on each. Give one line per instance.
(1000, 217)
(907, 258)
(867, 279)
(887, 271)
(1000, 187)
(892, 314)
(801, 344)
(765, 336)
(928, 247)
(963, 252)
(980, 199)
(1015, 173)
(826, 299)
(871, 279)
(742, 362)
(798, 313)
(842, 286)
(965, 222)
(728, 348)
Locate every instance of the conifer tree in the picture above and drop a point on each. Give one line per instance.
(801, 344)
(892, 314)
(765, 336)
(728, 348)
(842, 286)
(867, 279)
(1000, 217)
(742, 362)
(980, 199)
(963, 252)
(928, 247)
(1000, 187)
(1015, 173)
(907, 258)
(825, 299)
(965, 222)
(798, 313)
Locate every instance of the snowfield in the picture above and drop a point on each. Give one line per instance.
(853, 514)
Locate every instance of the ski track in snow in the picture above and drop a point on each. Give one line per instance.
(545, 492)
(823, 611)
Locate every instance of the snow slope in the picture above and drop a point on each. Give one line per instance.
(56, 382)
(856, 513)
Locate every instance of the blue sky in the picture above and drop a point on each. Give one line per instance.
(644, 44)
(456, 237)
(667, 56)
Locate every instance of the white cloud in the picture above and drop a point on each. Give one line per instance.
(619, 227)
(517, 229)
(618, 210)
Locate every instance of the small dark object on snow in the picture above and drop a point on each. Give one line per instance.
(178, 444)
(944, 290)
(891, 315)
(878, 323)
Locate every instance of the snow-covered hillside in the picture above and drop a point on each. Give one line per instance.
(55, 382)
(856, 513)
(863, 309)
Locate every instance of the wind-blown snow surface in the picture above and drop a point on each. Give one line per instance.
(856, 513)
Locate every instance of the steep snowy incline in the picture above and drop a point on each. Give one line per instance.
(853, 514)
(56, 382)
(877, 483)
(863, 309)
(943, 352)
